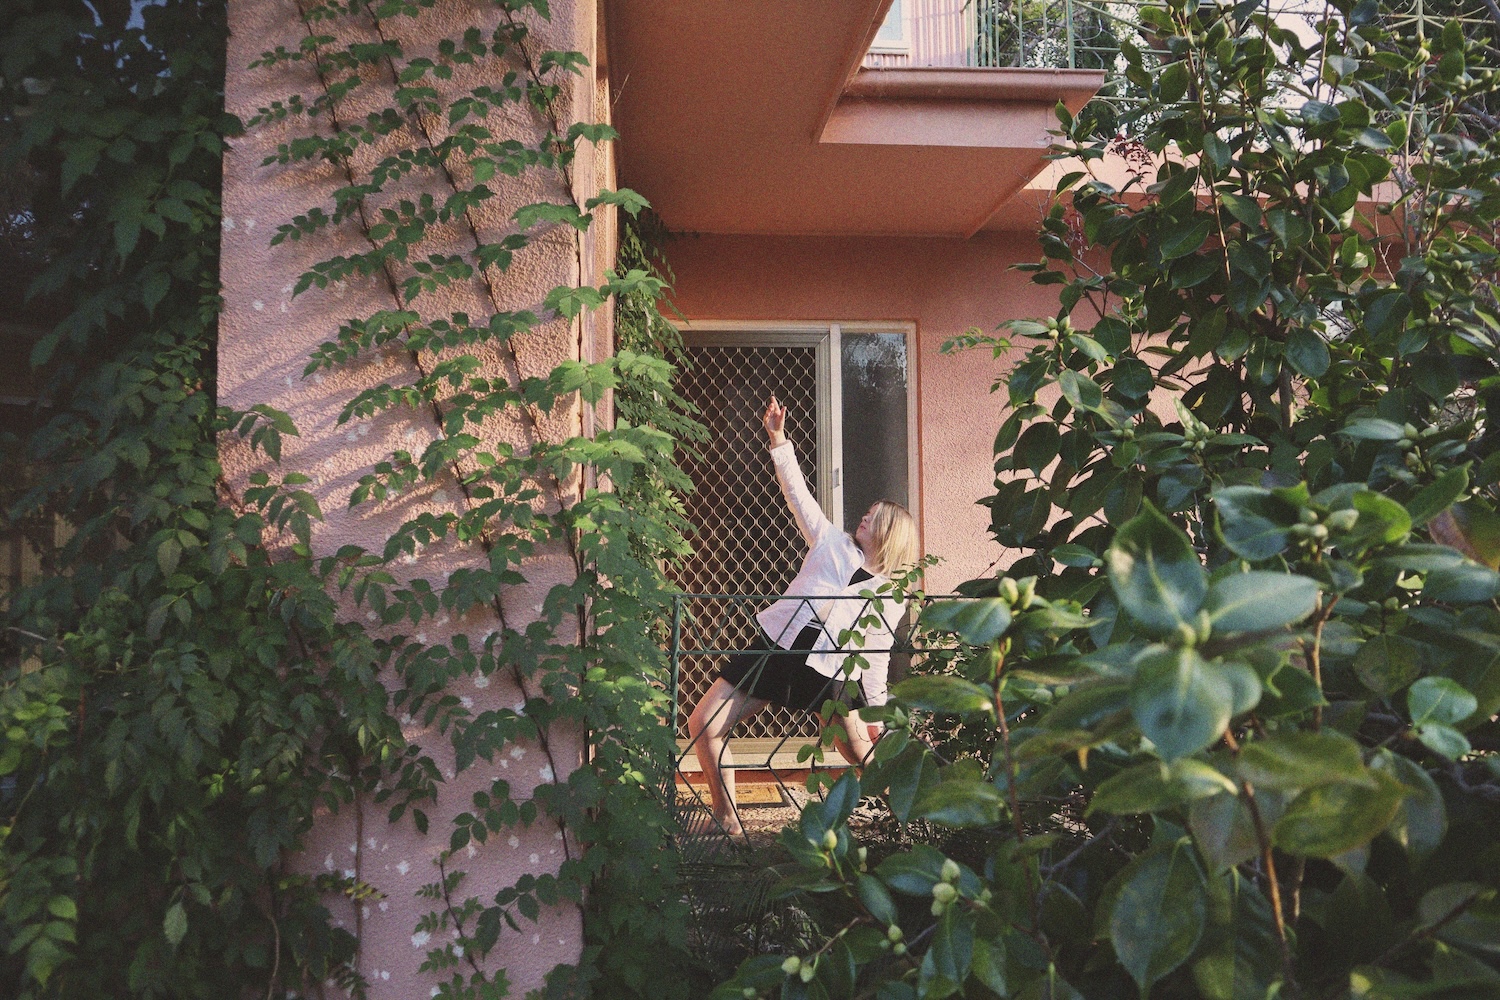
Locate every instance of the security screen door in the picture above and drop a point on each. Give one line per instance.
(849, 415)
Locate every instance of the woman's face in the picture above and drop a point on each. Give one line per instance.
(863, 535)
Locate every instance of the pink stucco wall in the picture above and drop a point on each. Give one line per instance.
(944, 286)
(267, 335)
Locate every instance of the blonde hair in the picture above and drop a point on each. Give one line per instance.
(894, 537)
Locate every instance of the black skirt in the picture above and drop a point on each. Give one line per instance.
(782, 676)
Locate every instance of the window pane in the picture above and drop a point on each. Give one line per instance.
(874, 371)
(891, 28)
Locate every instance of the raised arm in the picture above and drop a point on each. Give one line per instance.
(813, 523)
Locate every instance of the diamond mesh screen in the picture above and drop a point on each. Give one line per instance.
(746, 541)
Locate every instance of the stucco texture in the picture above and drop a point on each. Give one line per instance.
(266, 337)
(945, 287)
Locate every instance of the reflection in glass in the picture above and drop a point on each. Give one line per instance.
(873, 367)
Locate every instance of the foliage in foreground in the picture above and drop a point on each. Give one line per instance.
(1232, 734)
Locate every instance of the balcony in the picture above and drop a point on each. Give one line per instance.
(1078, 34)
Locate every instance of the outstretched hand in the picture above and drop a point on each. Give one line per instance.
(775, 422)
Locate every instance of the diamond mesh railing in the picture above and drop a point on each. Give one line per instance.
(746, 541)
(702, 636)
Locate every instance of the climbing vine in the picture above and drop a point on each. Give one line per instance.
(186, 689)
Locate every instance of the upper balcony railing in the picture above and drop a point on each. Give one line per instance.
(1079, 34)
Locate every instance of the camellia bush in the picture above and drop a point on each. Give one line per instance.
(1226, 728)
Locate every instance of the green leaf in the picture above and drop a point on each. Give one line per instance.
(1307, 353)
(1080, 390)
(1381, 521)
(529, 215)
(1154, 787)
(1297, 759)
(960, 802)
(175, 924)
(1253, 522)
(1320, 113)
(1331, 819)
(1373, 429)
(1244, 208)
(978, 622)
(989, 964)
(1467, 583)
(1422, 820)
(1155, 573)
(168, 553)
(1037, 447)
(1439, 495)
(876, 899)
(1443, 739)
(946, 964)
(63, 907)
(1071, 554)
(1463, 913)
(1387, 663)
(1438, 699)
(1183, 237)
(1172, 84)
(1224, 830)
(953, 695)
(1258, 601)
(1159, 915)
(1180, 703)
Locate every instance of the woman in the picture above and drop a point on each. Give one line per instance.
(796, 662)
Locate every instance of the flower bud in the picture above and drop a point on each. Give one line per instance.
(1027, 595)
(944, 892)
(749, 993)
(951, 871)
(1307, 516)
(1009, 590)
(898, 948)
(1342, 520)
(807, 972)
(1319, 532)
(894, 933)
(791, 965)
(830, 840)
(939, 907)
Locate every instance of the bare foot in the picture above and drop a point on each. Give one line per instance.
(730, 825)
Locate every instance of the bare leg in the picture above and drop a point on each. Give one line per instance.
(856, 745)
(720, 711)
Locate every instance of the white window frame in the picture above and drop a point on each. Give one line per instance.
(827, 338)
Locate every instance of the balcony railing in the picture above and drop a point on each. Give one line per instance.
(1086, 34)
(702, 637)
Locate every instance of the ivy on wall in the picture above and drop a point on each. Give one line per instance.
(184, 691)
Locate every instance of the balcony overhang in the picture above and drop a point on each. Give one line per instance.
(755, 118)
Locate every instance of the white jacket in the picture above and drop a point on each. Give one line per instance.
(831, 560)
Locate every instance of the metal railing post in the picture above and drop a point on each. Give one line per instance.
(1072, 46)
(676, 653)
